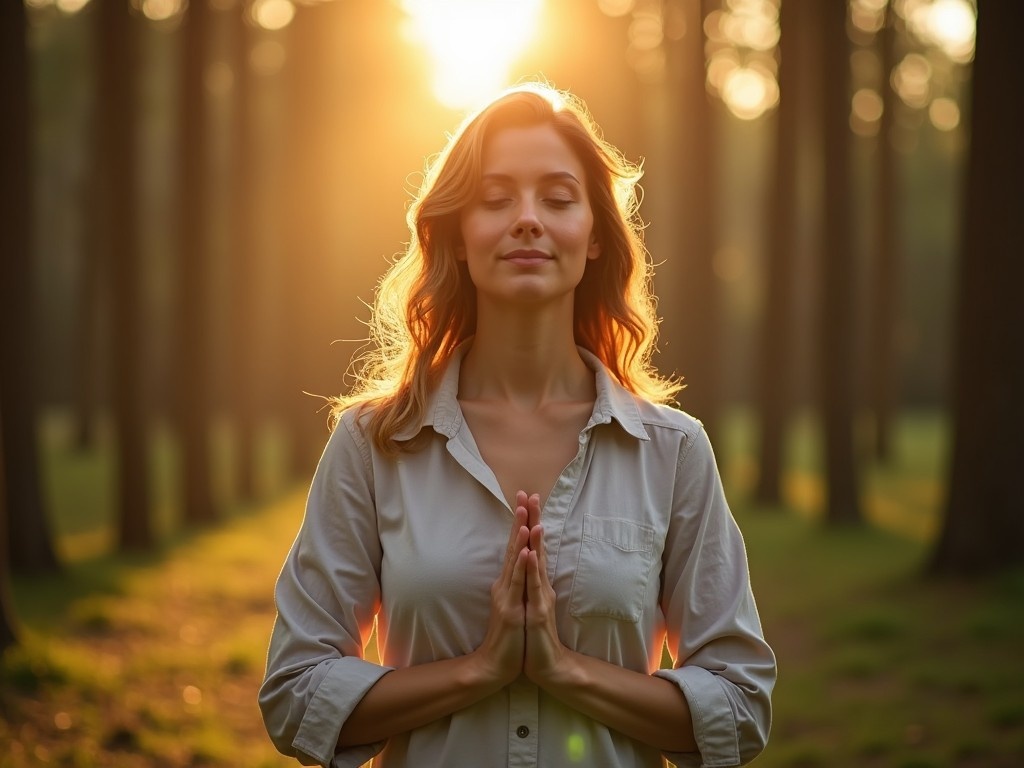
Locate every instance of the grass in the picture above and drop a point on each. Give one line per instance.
(155, 660)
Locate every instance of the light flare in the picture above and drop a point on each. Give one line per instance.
(472, 43)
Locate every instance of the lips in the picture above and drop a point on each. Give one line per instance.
(526, 258)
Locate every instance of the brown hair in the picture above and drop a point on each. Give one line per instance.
(426, 303)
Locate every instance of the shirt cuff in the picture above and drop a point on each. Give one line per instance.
(714, 722)
(343, 687)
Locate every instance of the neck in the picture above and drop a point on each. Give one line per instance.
(528, 359)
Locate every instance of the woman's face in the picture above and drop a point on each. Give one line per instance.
(528, 233)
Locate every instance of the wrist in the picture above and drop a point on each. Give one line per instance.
(478, 672)
(567, 673)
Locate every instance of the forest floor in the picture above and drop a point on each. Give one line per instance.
(149, 661)
(154, 661)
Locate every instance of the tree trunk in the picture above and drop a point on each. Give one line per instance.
(30, 543)
(887, 256)
(244, 392)
(693, 291)
(311, 130)
(776, 348)
(984, 521)
(118, 64)
(838, 364)
(8, 622)
(194, 354)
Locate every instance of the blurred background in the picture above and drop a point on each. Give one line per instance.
(201, 196)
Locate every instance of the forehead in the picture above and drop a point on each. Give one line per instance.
(526, 151)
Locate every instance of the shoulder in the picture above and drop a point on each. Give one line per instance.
(659, 416)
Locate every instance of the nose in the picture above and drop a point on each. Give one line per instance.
(527, 221)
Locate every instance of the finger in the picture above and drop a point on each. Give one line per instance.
(537, 546)
(519, 519)
(533, 509)
(515, 552)
(517, 583)
(534, 581)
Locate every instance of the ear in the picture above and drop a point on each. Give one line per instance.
(593, 248)
(460, 252)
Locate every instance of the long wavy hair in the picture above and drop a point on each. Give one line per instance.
(425, 304)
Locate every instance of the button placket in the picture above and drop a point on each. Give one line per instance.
(522, 726)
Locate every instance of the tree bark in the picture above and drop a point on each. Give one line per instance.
(29, 540)
(244, 392)
(983, 527)
(15, 270)
(776, 348)
(838, 303)
(193, 407)
(693, 292)
(118, 63)
(887, 268)
(8, 621)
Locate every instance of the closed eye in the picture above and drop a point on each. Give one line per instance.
(496, 203)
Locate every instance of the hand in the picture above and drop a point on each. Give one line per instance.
(501, 653)
(545, 653)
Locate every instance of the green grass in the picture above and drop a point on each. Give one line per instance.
(154, 660)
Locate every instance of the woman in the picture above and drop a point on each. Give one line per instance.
(507, 498)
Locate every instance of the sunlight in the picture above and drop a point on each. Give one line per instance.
(162, 10)
(947, 24)
(749, 92)
(472, 43)
(272, 14)
(742, 69)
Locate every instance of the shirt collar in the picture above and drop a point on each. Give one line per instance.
(613, 402)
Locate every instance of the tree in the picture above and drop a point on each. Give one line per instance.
(246, 386)
(838, 369)
(776, 345)
(983, 528)
(887, 254)
(8, 623)
(14, 204)
(29, 541)
(193, 406)
(693, 287)
(118, 63)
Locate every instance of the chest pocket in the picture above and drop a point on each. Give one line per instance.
(613, 569)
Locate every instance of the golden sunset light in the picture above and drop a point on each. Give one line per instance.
(472, 43)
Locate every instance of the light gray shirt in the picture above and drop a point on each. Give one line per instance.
(642, 551)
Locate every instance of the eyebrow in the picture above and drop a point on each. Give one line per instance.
(553, 176)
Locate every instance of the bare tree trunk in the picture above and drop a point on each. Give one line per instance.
(984, 522)
(29, 540)
(244, 393)
(118, 65)
(309, 130)
(887, 257)
(8, 621)
(697, 333)
(776, 349)
(194, 353)
(838, 364)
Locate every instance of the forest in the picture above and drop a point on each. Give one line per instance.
(199, 199)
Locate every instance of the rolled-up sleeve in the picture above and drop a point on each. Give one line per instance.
(723, 666)
(327, 595)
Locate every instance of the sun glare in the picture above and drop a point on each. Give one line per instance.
(472, 43)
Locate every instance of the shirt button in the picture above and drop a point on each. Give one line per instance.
(522, 731)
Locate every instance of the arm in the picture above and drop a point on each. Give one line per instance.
(722, 663)
(321, 700)
(409, 698)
